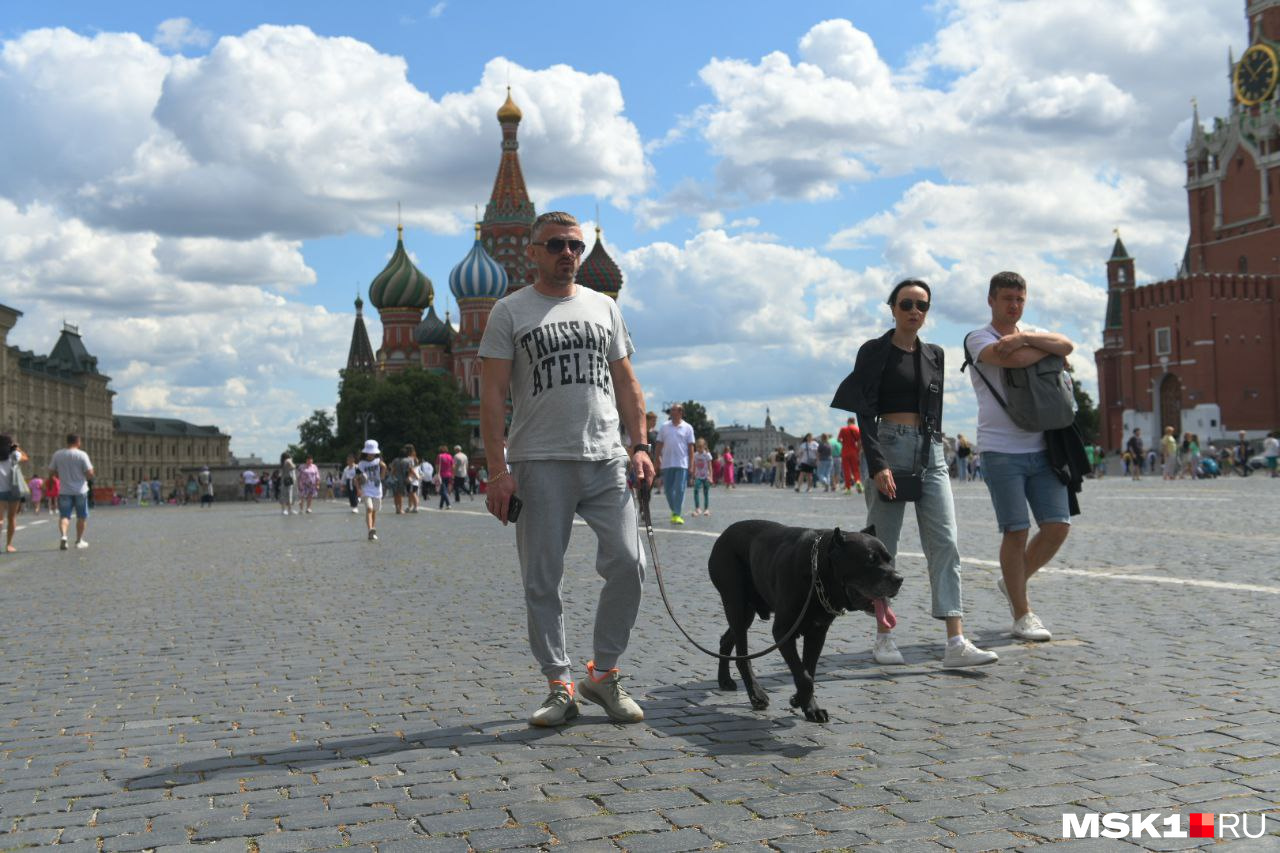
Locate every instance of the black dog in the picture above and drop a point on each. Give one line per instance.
(762, 567)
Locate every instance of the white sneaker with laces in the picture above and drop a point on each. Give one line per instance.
(966, 654)
(82, 544)
(1030, 627)
(886, 651)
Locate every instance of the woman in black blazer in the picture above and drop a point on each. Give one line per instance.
(896, 391)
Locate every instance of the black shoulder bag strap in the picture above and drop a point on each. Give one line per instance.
(968, 360)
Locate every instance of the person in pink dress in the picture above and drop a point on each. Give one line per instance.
(444, 467)
(729, 478)
(308, 484)
(717, 470)
(37, 493)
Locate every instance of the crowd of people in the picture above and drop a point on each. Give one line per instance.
(1189, 459)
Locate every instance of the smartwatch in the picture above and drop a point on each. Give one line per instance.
(636, 448)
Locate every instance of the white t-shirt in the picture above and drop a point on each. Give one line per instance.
(702, 465)
(250, 478)
(372, 471)
(73, 467)
(562, 394)
(675, 441)
(996, 430)
(426, 471)
(1271, 446)
(349, 473)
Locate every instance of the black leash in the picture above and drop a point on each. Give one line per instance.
(643, 492)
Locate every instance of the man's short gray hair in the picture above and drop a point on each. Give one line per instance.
(552, 217)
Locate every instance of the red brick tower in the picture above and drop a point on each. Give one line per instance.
(509, 215)
(1201, 352)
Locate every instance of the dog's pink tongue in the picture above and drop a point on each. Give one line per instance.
(884, 614)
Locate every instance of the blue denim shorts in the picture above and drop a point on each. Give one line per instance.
(79, 503)
(1015, 480)
(9, 497)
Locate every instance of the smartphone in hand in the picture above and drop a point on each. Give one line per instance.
(513, 509)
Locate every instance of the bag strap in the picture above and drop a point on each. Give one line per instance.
(968, 360)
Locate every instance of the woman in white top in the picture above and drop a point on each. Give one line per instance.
(11, 458)
(288, 479)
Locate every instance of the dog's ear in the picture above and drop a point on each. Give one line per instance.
(837, 539)
(870, 531)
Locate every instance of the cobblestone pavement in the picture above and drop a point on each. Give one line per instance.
(234, 679)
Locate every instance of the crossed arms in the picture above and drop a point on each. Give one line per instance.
(1022, 349)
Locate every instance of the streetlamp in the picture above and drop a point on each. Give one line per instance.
(365, 418)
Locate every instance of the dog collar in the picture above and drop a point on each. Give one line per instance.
(817, 581)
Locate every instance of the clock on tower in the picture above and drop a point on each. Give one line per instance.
(1256, 74)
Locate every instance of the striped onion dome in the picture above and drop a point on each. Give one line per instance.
(598, 270)
(401, 284)
(478, 276)
(432, 331)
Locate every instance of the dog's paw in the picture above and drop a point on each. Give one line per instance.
(812, 712)
(727, 683)
(759, 699)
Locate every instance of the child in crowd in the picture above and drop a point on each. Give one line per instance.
(701, 478)
(372, 471)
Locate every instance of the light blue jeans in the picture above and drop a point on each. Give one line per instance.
(935, 514)
(674, 482)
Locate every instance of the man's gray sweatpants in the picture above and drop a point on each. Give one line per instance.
(553, 491)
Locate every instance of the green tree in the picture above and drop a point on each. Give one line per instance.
(1087, 417)
(703, 427)
(316, 439)
(417, 407)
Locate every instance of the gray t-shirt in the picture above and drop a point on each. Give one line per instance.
(562, 396)
(73, 467)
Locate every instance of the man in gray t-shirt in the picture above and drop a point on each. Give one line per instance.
(74, 469)
(562, 352)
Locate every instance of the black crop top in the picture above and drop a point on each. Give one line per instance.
(900, 383)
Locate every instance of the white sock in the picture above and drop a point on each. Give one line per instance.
(957, 640)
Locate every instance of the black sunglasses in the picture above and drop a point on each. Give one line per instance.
(922, 305)
(556, 245)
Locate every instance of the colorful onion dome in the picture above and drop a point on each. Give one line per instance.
(478, 276)
(401, 284)
(598, 271)
(432, 331)
(509, 111)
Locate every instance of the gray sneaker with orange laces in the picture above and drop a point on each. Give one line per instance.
(608, 694)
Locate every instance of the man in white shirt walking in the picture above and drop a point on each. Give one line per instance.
(675, 454)
(1015, 464)
(74, 469)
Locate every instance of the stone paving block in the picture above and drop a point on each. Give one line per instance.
(507, 839)
(759, 830)
(671, 841)
(649, 801)
(593, 828)
(464, 821)
(289, 842)
(143, 840)
(425, 845)
(707, 815)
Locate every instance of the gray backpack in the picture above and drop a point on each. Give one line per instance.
(1040, 397)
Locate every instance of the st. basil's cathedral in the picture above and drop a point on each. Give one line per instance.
(495, 266)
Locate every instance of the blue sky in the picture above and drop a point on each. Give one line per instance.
(204, 187)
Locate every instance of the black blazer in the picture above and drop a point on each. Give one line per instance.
(860, 393)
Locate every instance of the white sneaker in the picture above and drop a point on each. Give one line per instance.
(82, 544)
(886, 651)
(1030, 627)
(966, 654)
(355, 509)
(1004, 590)
(284, 512)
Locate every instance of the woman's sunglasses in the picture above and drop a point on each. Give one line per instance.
(556, 245)
(920, 304)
